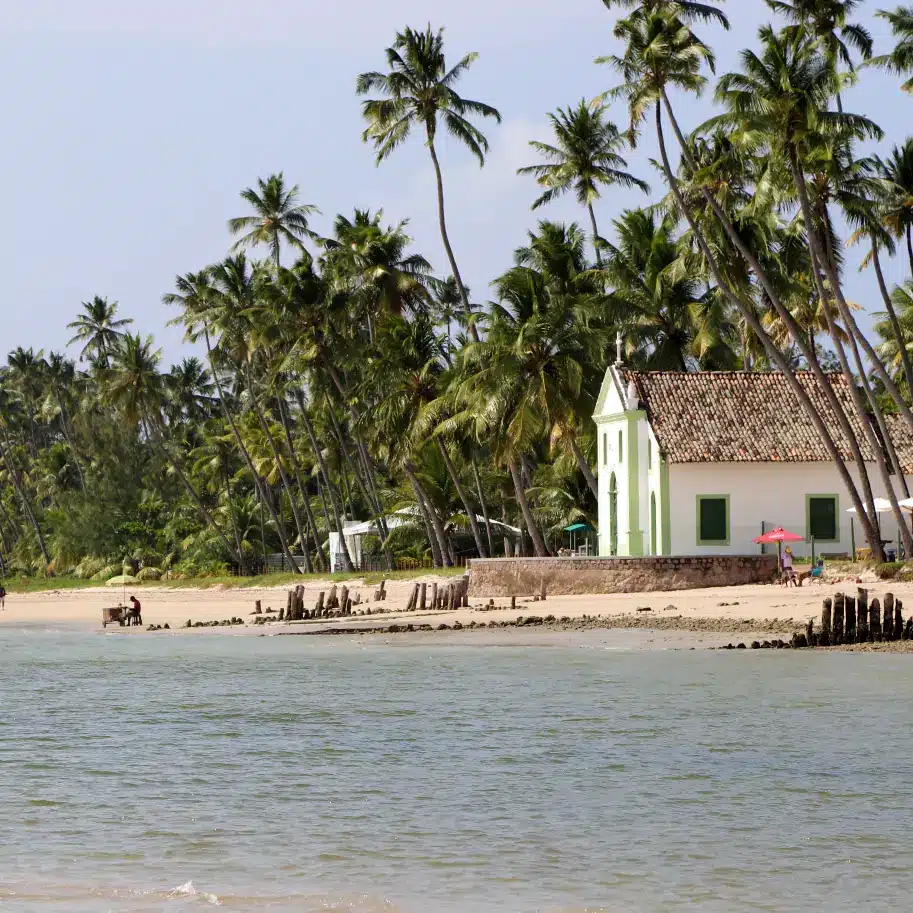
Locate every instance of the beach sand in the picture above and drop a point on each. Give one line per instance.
(733, 613)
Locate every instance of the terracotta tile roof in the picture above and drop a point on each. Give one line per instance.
(740, 416)
(903, 441)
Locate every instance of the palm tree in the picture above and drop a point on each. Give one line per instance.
(686, 10)
(372, 263)
(418, 93)
(278, 217)
(897, 204)
(900, 60)
(99, 330)
(584, 158)
(827, 21)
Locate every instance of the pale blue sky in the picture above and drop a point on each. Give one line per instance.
(130, 127)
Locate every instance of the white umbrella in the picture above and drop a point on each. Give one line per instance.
(906, 504)
(881, 505)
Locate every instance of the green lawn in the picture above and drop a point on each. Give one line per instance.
(37, 585)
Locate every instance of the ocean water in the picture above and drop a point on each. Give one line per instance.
(285, 774)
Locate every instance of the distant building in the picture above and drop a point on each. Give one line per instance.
(702, 463)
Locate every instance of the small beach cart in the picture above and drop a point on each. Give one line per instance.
(115, 615)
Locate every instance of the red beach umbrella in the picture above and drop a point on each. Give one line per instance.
(779, 535)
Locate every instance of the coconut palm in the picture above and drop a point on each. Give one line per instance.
(897, 202)
(99, 330)
(685, 10)
(900, 59)
(828, 21)
(584, 158)
(418, 94)
(278, 217)
(61, 376)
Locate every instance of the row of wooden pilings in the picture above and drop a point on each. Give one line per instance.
(855, 620)
(444, 598)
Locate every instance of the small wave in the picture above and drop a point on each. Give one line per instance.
(188, 890)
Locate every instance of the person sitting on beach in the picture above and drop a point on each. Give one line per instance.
(136, 611)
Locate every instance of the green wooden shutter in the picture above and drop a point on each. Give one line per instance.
(822, 518)
(713, 520)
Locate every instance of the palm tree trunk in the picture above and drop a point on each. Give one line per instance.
(226, 479)
(909, 234)
(892, 316)
(464, 497)
(583, 464)
(528, 518)
(283, 475)
(332, 494)
(258, 482)
(302, 489)
(364, 485)
(846, 315)
(483, 505)
(596, 238)
(433, 544)
(443, 544)
(16, 479)
(473, 332)
(773, 352)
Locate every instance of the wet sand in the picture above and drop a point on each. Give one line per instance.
(720, 615)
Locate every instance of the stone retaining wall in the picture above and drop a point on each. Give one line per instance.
(583, 576)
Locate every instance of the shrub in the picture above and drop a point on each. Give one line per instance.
(889, 570)
(149, 573)
(106, 573)
(88, 567)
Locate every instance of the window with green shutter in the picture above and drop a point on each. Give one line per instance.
(713, 519)
(821, 511)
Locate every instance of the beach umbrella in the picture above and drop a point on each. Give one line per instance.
(881, 505)
(779, 535)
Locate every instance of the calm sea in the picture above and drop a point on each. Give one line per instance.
(173, 773)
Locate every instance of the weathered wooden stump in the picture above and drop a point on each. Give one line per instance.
(513, 602)
(343, 598)
(423, 593)
(874, 621)
(810, 633)
(908, 630)
(887, 618)
(898, 620)
(862, 615)
(332, 599)
(850, 615)
(258, 608)
(825, 639)
(320, 603)
(281, 614)
(839, 607)
(433, 595)
(542, 593)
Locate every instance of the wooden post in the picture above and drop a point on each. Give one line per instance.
(862, 615)
(319, 608)
(850, 611)
(281, 614)
(810, 633)
(258, 608)
(433, 595)
(898, 620)
(542, 593)
(513, 602)
(422, 595)
(289, 601)
(383, 589)
(343, 598)
(839, 608)
(299, 604)
(331, 599)
(826, 623)
(874, 621)
(464, 590)
(887, 618)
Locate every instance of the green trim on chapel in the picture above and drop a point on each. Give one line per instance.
(665, 507)
(722, 543)
(635, 533)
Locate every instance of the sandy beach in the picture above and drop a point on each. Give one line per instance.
(756, 609)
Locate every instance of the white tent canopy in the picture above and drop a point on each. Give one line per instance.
(883, 506)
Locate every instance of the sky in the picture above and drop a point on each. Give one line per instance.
(129, 129)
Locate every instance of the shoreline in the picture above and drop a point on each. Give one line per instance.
(740, 613)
